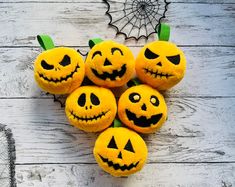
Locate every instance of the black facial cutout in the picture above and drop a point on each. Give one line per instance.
(82, 100)
(86, 119)
(157, 74)
(46, 66)
(120, 155)
(116, 49)
(142, 121)
(117, 166)
(96, 53)
(154, 100)
(112, 144)
(59, 80)
(134, 97)
(112, 76)
(94, 99)
(149, 54)
(174, 59)
(129, 146)
(144, 107)
(66, 61)
(107, 62)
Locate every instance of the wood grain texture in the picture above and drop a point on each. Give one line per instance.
(198, 130)
(100, 1)
(74, 23)
(196, 146)
(161, 175)
(210, 72)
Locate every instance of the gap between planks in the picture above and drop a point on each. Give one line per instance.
(85, 46)
(95, 2)
(91, 163)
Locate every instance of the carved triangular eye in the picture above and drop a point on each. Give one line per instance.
(174, 59)
(112, 143)
(149, 54)
(129, 147)
(65, 61)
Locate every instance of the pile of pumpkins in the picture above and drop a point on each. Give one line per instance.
(159, 65)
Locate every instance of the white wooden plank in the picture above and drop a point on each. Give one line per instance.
(210, 72)
(100, 1)
(198, 130)
(152, 175)
(75, 23)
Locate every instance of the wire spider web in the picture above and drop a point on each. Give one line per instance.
(136, 18)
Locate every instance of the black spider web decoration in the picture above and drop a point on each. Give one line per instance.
(7, 158)
(136, 18)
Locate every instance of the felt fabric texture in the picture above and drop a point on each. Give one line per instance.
(91, 108)
(142, 108)
(120, 151)
(59, 70)
(160, 64)
(110, 64)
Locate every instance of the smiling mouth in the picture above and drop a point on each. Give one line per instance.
(117, 166)
(142, 121)
(89, 118)
(157, 73)
(60, 79)
(112, 76)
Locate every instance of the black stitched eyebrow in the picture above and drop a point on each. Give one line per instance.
(96, 53)
(116, 49)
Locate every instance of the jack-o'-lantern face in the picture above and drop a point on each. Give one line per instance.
(110, 64)
(120, 151)
(160, 64)
(59, 70)
(142, 108)
(91, 108)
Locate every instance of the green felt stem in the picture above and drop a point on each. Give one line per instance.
(45, 42)
(164, 32)
(117, 123)
(94, 41)
(133, 82)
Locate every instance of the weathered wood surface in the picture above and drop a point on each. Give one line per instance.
(198, 130)
(210, 72)
(100, 1)
(171, 175)
(196, 146)
(74, 23)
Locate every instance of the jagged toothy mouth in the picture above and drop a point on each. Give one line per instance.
(89, 118)
(142, 121)
(117, 166)
(157, 73)
(112, 76)
(59, 79)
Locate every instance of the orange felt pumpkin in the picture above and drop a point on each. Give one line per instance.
(120, 151)
(110, 64)
(91, 108)
(142, 108)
